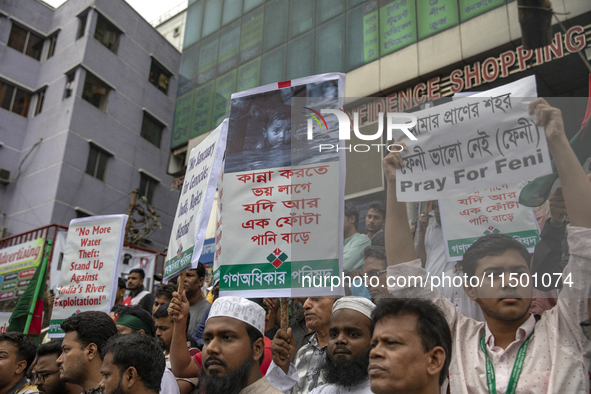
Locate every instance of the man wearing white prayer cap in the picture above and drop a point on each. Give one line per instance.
(347, 359)
(232, 351)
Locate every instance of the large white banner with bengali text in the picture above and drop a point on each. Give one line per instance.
(474, 143)
(282, 201)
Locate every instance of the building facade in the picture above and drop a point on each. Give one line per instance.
(400, 54)
(172, 26)
(87, 92)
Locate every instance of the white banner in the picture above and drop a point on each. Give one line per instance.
(88, 278)
(474, 143)
(282, 198)
(469, 216)
(194, 207)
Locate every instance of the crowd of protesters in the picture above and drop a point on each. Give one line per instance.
(376, 339)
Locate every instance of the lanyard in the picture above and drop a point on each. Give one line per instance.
(517, 367)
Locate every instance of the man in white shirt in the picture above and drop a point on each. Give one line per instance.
(509, 350)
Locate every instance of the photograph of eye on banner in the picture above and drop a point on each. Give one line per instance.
(280, 212)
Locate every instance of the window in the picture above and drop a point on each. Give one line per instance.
(82, 25)
(26, 42)
(107, 33)
(152, 129)
(176, 32)
(52, 42)
(97, 161)
(40, 99)
(147, 186)
(14, 99)
(96, 92)
(70, 83)
(159, 76)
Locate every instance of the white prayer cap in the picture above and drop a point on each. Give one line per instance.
(240, 309)
(359, 304)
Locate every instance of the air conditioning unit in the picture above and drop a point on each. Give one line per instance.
(4, 176)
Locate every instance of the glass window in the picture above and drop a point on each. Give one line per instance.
(6, 93)
(193, 24)
(300, 56)
(327, 9)
(188, 69)
(21, 102)
(147, 186)
(52, 43)
(34, 46)
(301, 16)
(275, 24)
(212, 18)
(208, 57)
(96, 92)
(330, 46)
(71, 76)
(82, 25)
(353, 3)
(26, 42)
(252, 4)
(355, 37)
(18, 38)
(14, 99)
(229, 48)
(96, 165)
(232, 10)
(251, 36)
(273, 65)
(107, 33)
(40, 99)
(159, 77)
(152, 130)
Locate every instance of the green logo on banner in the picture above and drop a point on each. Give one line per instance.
(277, 258)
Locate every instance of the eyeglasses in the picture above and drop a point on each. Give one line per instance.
(376, 273)
(40, 377)
(586, 326)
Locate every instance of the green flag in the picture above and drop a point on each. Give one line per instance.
(27, 315)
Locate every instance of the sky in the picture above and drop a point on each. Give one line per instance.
(149, 9)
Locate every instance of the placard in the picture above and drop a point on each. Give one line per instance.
(469, 216)
(478, 142)
(195, 202)
(88, 279)
(282, 200)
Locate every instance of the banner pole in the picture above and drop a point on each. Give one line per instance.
(38, 285)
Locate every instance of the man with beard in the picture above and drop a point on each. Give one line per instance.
(47, 372)
(164, 326)
(133, 364)
(81, 360)
(550, 356)
(135, 320)
(344, 369)
(232, 351)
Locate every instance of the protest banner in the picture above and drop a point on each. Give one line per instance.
(17, 266)
(282, 198)
(474, 143)
(195, 202)
(88, 279)
(469, 216)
